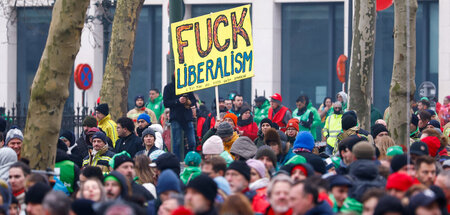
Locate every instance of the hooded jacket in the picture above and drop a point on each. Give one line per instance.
(364, 175)
(244, 147)
(262, 112)
(68, 170)
(109, 127)
(7, 158)
(156, 106)
(124, 186)
(309, 119)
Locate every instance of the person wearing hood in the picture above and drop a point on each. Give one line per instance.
(148, 139)
(258, 182)
(245, 124)
(73, 150)
(304, 200)
(264, 126)
(105, 123)
(262, 106)
(192, 167)
(307, 115)
(342, 98)
(243, 149)
(304, 145)
(140, 109)
(278, 113)
(116, 186)
(128, 141)
(7, 158)
(155, 102)
(68, 170)
(99, 155)
(333, 125)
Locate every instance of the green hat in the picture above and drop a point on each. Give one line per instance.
(192, 159)
(336, 161)
(352, 205)
(425, 98)
(120, 158)
(394, 150)
(297, 159)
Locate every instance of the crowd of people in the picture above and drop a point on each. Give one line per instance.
(171, 155)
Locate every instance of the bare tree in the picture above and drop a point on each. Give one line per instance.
(120, 57)
(361, 63)
(404, 63)
(50, 88)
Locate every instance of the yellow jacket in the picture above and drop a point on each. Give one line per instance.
(109, 127)
(333, 126)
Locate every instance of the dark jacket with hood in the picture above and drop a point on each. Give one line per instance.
(131, 144)
(69, 171)
(124, 186)
(178, 111)
(364, 175)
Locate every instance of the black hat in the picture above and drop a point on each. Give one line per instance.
(414, 119)
(376, 129)
(36, 193)
(398, 162)
(241, 167)
(434, 123)
(244, 109)
(138, 97)
(350, 113)
(204, 185)
(266, 120)
(168, 160)
(389, 204)
(265, 150)
(100, 135)
(90, 121)
(261, 99)
(69, 136)
(120, 159)
(339, 180)
(83, 207)
(103, 108)
(348, 121)
(424, 198)
(419, 148)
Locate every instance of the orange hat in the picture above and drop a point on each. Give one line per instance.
(293, 123)
(231, 116)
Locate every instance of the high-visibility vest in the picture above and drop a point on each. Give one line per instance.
(333, 125)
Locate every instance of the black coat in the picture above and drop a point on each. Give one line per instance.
(131, 144)
(177, 110)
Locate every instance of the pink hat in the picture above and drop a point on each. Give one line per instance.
(258, 166)
(213, 146)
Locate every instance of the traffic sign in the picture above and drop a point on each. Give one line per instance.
(427, 89)
(83, 76)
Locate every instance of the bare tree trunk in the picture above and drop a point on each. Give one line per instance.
(120, 57)
(361, 63)
(398, 99)
(50, 88)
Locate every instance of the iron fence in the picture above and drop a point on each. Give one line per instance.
(72, 119)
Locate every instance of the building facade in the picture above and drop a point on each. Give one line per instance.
(296, 46)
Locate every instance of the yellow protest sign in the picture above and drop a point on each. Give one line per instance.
(213, 49)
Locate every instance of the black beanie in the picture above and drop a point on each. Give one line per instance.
(69, 136)
(103, 108)
(36, 193)
(83, 207)
(120, 159)
(168, 160)
(376, 129)
(266, 151)
(242, 168)
(389, 204)
(204, 185)
(414, 119)
(266, 120)
(398, 162)
(348, 121)
(350, 113)
(90, 121)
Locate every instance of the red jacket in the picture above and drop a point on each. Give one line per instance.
(250, 130)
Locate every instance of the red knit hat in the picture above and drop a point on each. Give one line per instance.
(293, 123)
(433, 144)
(231, 116)
(399, 181)
(301, 168)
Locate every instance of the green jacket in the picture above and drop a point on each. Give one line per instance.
(261, 113)
(189, 173)
(308, 125)
(156, 106)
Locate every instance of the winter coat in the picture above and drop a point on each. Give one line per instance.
(100, 159)
(322, 208)
(309, 119)
(144, 152)
(156, 106)
(333, 126)
(259, 141)
(316, 162)
(7, 158)
(227, 145)
(178, 111)
(68, 170)
(189, 173)
(82, 146)
(135, 112)
(109, 127)
(140, 192)
(131, 144)
(364, 175)
(250, 128)
(262, 112)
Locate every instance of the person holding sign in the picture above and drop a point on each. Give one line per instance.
(278, 113)
(181, 117)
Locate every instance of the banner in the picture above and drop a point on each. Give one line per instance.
(213, 49)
